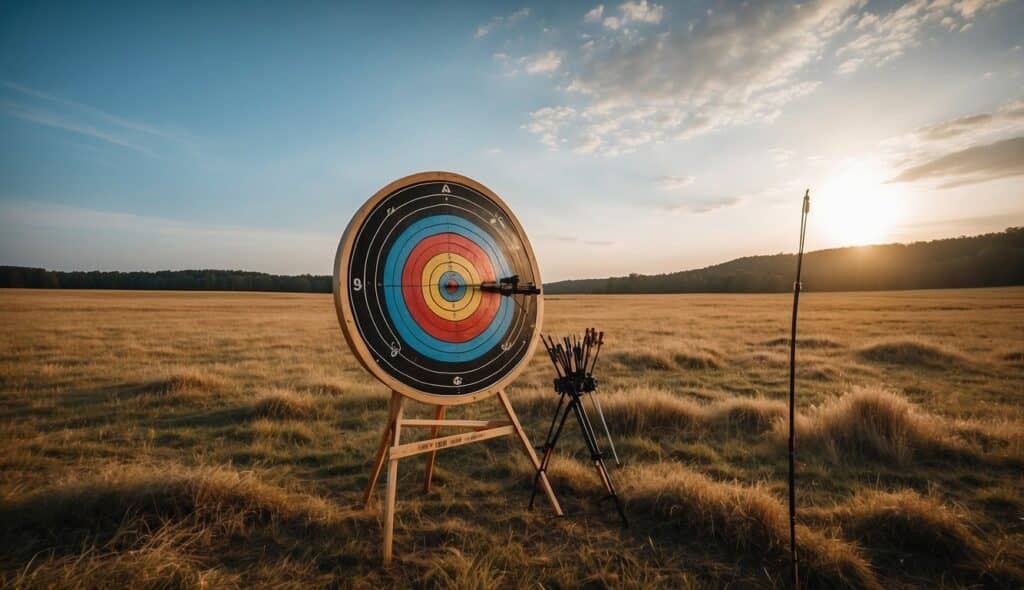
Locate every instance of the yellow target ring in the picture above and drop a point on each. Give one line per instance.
(431, 282)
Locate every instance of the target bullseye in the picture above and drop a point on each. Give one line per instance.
(410, 270)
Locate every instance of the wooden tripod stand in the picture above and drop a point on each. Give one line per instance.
(392, 450)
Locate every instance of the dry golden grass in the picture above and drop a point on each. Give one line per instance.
(747, 520)
(913, 352)
(284, 405)
(162, 527)
(873, 423)
(148, 441)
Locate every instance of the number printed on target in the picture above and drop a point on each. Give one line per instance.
(427, 258)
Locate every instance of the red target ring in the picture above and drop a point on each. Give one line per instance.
(442, 319)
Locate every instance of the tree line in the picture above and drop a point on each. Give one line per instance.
(179, 280)
(989, 260)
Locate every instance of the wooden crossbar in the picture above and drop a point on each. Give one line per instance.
(390, 450)
(447, 442)
(423, 423)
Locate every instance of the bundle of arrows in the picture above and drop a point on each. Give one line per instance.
(574, 358)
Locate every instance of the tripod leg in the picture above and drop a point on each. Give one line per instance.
(549, 449)
(551, 427)
(438, 415)
(378, 460)
(530, 452)
(595, 453)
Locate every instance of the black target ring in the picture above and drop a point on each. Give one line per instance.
(407, 287)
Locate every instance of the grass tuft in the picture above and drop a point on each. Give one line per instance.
(915, 531)
(816, 342)
(689, 506)
(645, 360)
(178, 382)
(750, 414)
(644, 410)
(657, 359)
(874, 423)
(913, 352)
(1014, 357)
(698, 359)
(282, 404)
(147, 526)
(292, 432)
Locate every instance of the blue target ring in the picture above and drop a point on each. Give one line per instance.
(408, 329)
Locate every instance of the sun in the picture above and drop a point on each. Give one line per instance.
(856, 205)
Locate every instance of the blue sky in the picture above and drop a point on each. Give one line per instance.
(628, 137)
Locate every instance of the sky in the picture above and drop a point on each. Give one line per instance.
(627, 137)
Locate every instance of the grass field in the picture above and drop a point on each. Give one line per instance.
(157, 439)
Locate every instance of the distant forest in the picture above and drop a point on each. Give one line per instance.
(179, 280)
(989, 260)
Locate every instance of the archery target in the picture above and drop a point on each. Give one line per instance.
(408, 282)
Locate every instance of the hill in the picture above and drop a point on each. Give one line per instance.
(989, 260)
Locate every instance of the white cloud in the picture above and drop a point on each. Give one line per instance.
(543, 63)
(630, 12)
(588, 144)
(969, 8)
(980, 163)
(501, 21)
(740, 63)
(736, 67)
(850, 66)
(962, 150)
(548, 121)
(884, 38)
(702, 205)
(674, 183)
(642, 12)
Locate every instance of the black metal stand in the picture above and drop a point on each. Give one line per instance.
(571, 388)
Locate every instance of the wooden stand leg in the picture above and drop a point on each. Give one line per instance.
(392, 481)
(385, 440)
(429, 475)
(530, 452)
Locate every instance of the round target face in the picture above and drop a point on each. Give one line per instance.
(436, 288)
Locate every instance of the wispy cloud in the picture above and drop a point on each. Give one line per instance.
(887, 37)
(49, 110)
(740, 63)
(501, 21)
(633, 12)
(701, 205)
(976, 164)
(966, 149)
(57, 121)
(543, 63)
(674, 183)
(637, 90)
(576, 240)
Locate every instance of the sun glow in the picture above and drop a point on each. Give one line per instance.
(856, 205)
